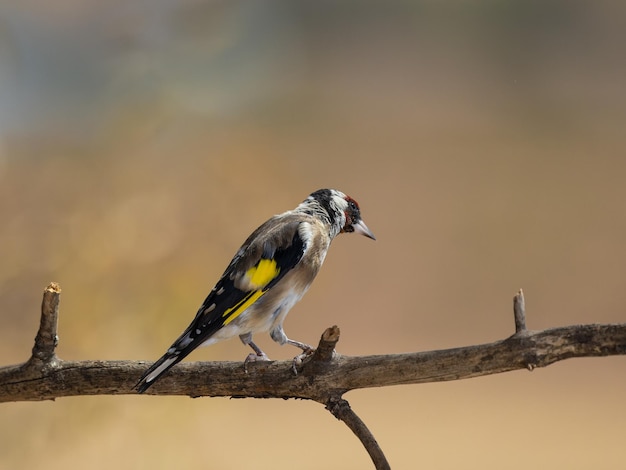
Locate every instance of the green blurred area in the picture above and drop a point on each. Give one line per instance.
(141, 143)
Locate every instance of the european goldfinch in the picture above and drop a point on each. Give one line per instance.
(270, 273)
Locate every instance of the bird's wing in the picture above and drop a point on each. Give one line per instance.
(272, 250)
(257, 267)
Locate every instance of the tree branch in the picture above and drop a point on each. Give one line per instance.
(341, 410)
(344, 373)
(323, 376)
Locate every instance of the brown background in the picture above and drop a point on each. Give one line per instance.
(140, 144)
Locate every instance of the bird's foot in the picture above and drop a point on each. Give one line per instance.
(252, 357)
(299, 359)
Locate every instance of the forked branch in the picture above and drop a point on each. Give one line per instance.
(325, 376)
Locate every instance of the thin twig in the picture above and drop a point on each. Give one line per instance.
(326, 348)
(46, 340)
(342, 410)
(519, 312)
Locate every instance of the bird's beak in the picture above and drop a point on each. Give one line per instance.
(361, 228)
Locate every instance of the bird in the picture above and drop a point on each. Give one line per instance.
(268, 275)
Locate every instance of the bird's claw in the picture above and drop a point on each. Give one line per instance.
(252, 357)
(299, 359)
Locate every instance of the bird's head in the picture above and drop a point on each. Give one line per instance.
(340, 211)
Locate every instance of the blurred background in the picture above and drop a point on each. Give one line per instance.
(141, 142)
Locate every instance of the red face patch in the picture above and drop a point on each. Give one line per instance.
(352, 214)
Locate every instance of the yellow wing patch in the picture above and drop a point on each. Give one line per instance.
(234, 312)
(258, 277)
(262, 274)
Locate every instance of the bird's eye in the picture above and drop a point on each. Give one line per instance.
(352, 205)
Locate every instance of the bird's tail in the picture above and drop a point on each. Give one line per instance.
(176, 353)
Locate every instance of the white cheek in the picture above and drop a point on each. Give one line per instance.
(340, 203)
